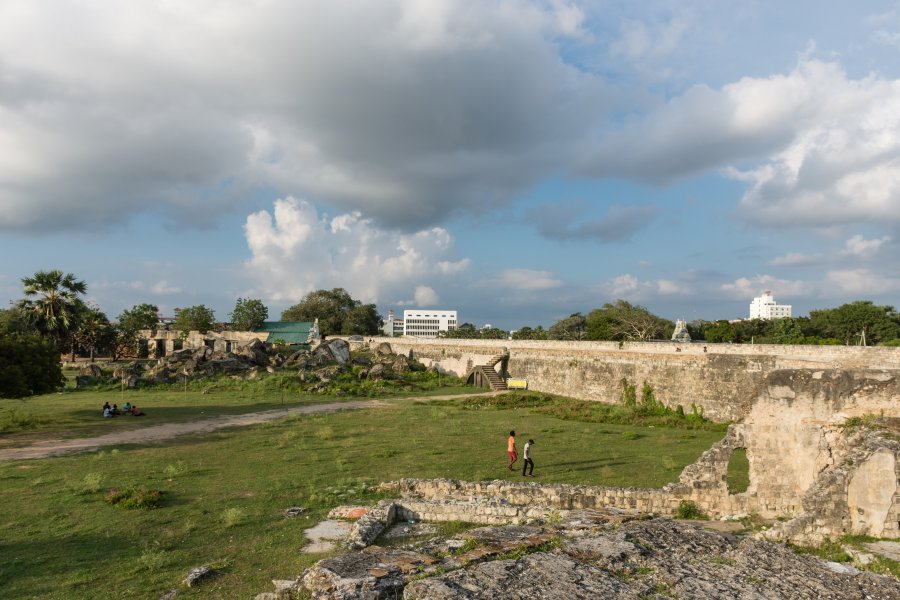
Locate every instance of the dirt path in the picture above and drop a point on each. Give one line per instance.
(165, 431)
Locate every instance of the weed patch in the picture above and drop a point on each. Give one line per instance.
(648, 412)
(687, 509)
(132, 498)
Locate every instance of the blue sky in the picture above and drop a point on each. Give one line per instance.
(517, 161)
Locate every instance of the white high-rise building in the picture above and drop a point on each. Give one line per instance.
(426, 323)
(764, 307)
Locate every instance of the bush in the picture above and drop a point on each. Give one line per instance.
(16, 419)
(629, 393)
(134, 498)
(29, 366)
(233, 516)
(688, 510)
(91, 483)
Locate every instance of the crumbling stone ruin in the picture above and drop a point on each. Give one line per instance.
(315, 367)
(793, 408)
(565, 554)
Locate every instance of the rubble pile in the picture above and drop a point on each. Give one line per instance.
(316, 367)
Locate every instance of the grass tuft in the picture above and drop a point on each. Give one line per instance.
(132, 498)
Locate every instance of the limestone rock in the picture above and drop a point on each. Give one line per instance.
(383, 348)
(400, 364)
(372, 573)
(91, 370)
(539, 575)
(198, 574)
(329, 351)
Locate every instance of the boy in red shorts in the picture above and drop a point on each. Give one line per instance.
(511, 449)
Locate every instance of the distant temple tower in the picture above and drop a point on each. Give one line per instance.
(681, 332)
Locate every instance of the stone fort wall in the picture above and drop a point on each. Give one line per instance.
(790, 405)
(721, 378)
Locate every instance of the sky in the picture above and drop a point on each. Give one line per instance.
(517, 161)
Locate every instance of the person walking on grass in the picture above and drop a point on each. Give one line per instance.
(526, 454)
(511, 449)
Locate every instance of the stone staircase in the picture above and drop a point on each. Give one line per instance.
(486, 376)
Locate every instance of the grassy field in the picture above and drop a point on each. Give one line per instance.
(224, 494)
(76, 413)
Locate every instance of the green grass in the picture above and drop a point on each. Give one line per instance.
(223, 494)
(738, 477)
(596, 412)
(836, 551)
(76, 413)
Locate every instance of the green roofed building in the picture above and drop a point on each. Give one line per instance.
(290, 332)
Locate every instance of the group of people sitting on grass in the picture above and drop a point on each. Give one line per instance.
(127, 409)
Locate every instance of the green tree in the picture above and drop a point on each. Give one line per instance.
(338, 313)
(848, 322)
(52, 302)
(15, 321)
(571, 328)
(194, 318)
(752, 331)
(94, 331)
(787, 331)
(622, 321)
(248, 314)
(130, 323)
(528, 333)
(28, 365)
(719, 332)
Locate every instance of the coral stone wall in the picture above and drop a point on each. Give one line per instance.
(723, 379)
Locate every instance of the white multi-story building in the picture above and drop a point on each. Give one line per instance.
(392, 325)
(427, 323)
(764, 307)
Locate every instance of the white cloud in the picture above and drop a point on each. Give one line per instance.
(797, 259)
(425, 296)
(644, 42)
(825, 148)
(857, 248)
(163, 288)
(295, 250)
(862, 282)
(751, 287)
(628, 287)
(405, 111)
(528, 280)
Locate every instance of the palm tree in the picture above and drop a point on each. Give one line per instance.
(52, 303)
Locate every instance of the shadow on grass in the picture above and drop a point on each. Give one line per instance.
(22, 577)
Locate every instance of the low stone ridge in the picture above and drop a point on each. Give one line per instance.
(587, 554)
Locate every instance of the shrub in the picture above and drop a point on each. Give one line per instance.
(629, 393)
(16, 419)
(91, 483)
(687, 509)
(134, 498)
(177, 469)
(28, 366)
(233, 516)
(153, 560)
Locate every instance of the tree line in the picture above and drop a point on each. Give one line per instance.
(53, 319)
(861, 322)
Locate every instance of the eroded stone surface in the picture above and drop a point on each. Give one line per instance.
(324, 536)
(658, 558)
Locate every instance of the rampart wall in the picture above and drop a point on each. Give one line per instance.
(721, 378)
(790, 405)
